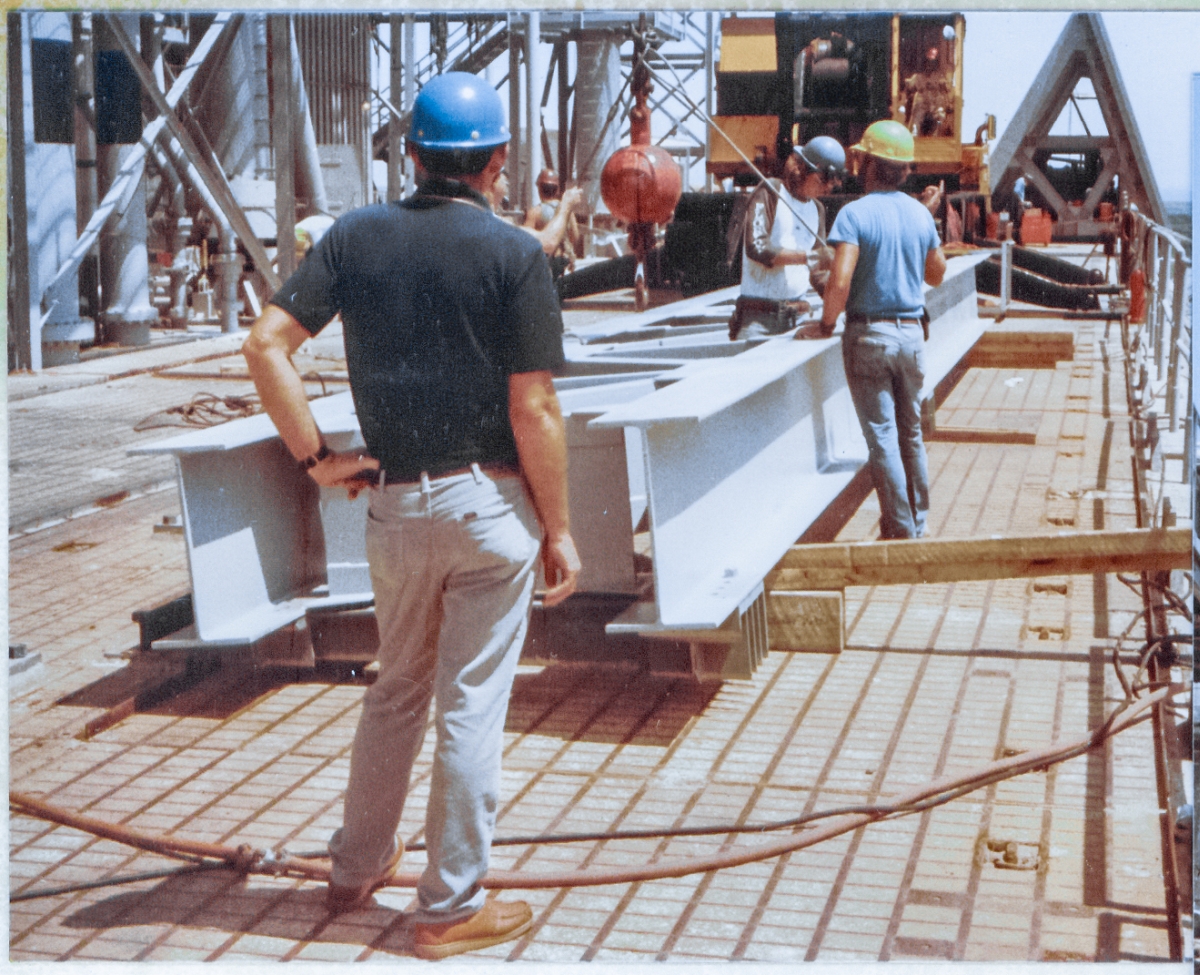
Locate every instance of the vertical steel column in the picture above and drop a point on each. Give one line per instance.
(710, 80)
(410, 85)
(309, 182)
(24, 339)
(51, 214)
(597, 86)
(395, 180)
(514, 111)
(368, 187)
(284, 143)
(86, 196)
(535, 81)
(563, 163)
(124, 258)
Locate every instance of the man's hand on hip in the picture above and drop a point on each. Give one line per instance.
(814, 330)
(344, 470)
(562, 565)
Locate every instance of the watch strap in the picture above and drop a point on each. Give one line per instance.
(312, 461)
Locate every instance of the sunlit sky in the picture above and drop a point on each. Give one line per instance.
(1156, 52)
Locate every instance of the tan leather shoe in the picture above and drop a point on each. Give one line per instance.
(340, 898)
(495, 923)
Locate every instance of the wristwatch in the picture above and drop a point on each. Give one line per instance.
(312, 461)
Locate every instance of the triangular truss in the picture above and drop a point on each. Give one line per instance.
(1082, 50)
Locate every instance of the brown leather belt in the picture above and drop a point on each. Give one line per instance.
(872, 319)
(771, 305)
(495, 469)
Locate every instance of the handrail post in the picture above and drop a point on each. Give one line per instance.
(1006, 250)
(1160, 297)
(1177, 297)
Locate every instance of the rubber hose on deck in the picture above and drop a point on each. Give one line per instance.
(1054, 268)
(1033, 289)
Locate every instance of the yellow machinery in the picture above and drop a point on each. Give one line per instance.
(784, 79)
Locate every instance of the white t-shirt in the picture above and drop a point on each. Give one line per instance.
(789, 281)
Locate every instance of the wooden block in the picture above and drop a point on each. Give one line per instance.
(813, 621)
(1020, 438)
(1021, 350)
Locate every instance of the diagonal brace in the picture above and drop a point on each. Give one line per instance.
(117, 198)
(209, 169)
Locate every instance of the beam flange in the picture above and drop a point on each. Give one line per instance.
(836, 566)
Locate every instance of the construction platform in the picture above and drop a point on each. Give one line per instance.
(1062, 864)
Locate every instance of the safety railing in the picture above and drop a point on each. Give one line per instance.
(1157, 269)
(1163, 342)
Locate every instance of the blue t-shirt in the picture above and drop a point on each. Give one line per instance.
(893, 233)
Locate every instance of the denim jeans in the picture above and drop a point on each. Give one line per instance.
(885, 367)
(453, 563)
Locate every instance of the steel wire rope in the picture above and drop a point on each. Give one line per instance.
(202, 410)
(250, 860)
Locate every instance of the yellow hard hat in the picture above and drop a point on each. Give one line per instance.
(887, 140)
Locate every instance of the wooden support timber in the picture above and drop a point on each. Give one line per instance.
(1021, 350)
(837, 566)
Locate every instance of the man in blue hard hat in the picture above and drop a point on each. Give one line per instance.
(886, 245)
(784, 226)
(452, 330)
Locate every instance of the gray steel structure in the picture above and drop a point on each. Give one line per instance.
(275, 117)
(44, 304)
(725, 451)
(1082, 50)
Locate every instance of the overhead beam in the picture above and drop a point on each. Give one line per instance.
(208, 167)
(885, 563)
(1074, 143)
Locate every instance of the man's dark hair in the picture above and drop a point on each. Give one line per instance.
(455, 162)
(890, 173)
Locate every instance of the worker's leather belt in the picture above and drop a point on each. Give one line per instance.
(750, 304)
(496, 469)
(777, 316)
(891, 319)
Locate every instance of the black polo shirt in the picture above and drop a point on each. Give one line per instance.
(441, 301)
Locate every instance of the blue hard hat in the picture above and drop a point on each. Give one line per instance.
(458, 110)
(824, 154)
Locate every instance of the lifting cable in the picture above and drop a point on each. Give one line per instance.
(247, 859)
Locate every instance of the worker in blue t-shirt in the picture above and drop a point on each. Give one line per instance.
(452, 329)
(886, 246)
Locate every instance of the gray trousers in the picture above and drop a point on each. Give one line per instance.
(453, 563)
